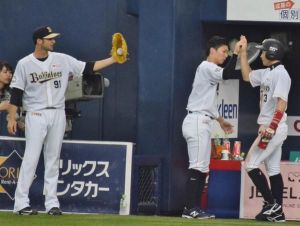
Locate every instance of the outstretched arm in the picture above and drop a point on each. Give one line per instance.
(228, 72)
(100, 64)
(245, 67)
(119, 53)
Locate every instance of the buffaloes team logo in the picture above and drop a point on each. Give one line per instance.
(49, 29)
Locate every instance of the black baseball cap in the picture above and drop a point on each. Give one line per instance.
(44, 32)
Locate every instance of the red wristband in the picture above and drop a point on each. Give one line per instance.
(276, 119)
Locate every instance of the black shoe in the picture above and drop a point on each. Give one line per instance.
(54, 211)
(260, 216)
(28, 211)
(267, 210)
(196, 213)
(276, 217)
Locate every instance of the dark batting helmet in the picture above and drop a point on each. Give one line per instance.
(274, 49)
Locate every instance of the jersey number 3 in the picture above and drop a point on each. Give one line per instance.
(265, 97)
(57, 84)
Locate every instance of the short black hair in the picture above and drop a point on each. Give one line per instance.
(215, 42)
(7, 65)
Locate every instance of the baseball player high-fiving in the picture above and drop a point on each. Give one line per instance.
(197, 125)
(275, 83)
(39, 84)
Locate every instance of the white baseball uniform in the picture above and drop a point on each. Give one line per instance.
(274, 83)
(202, 109)
(44, 84)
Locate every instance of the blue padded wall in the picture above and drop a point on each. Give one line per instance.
(86, 28)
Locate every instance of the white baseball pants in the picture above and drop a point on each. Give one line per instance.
(271, 156)
(41, 127)
(196, 129)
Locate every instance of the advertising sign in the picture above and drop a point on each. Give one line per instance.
(264, 10)
(293, 125)
(228, 107)
(251, 200)
(94, 176)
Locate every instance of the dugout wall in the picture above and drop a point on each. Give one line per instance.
(187, 25)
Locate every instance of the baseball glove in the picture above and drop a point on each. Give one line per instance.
(119, 48)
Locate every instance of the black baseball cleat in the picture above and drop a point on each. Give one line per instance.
(27, 211)
(276, 217)
(55, 211)
(267, 210)
(196, 213)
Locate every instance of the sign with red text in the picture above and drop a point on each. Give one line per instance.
(264, 10)
(293, 125)
(251, 200)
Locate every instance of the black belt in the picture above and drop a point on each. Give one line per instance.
(191, 112)
(50, 108)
